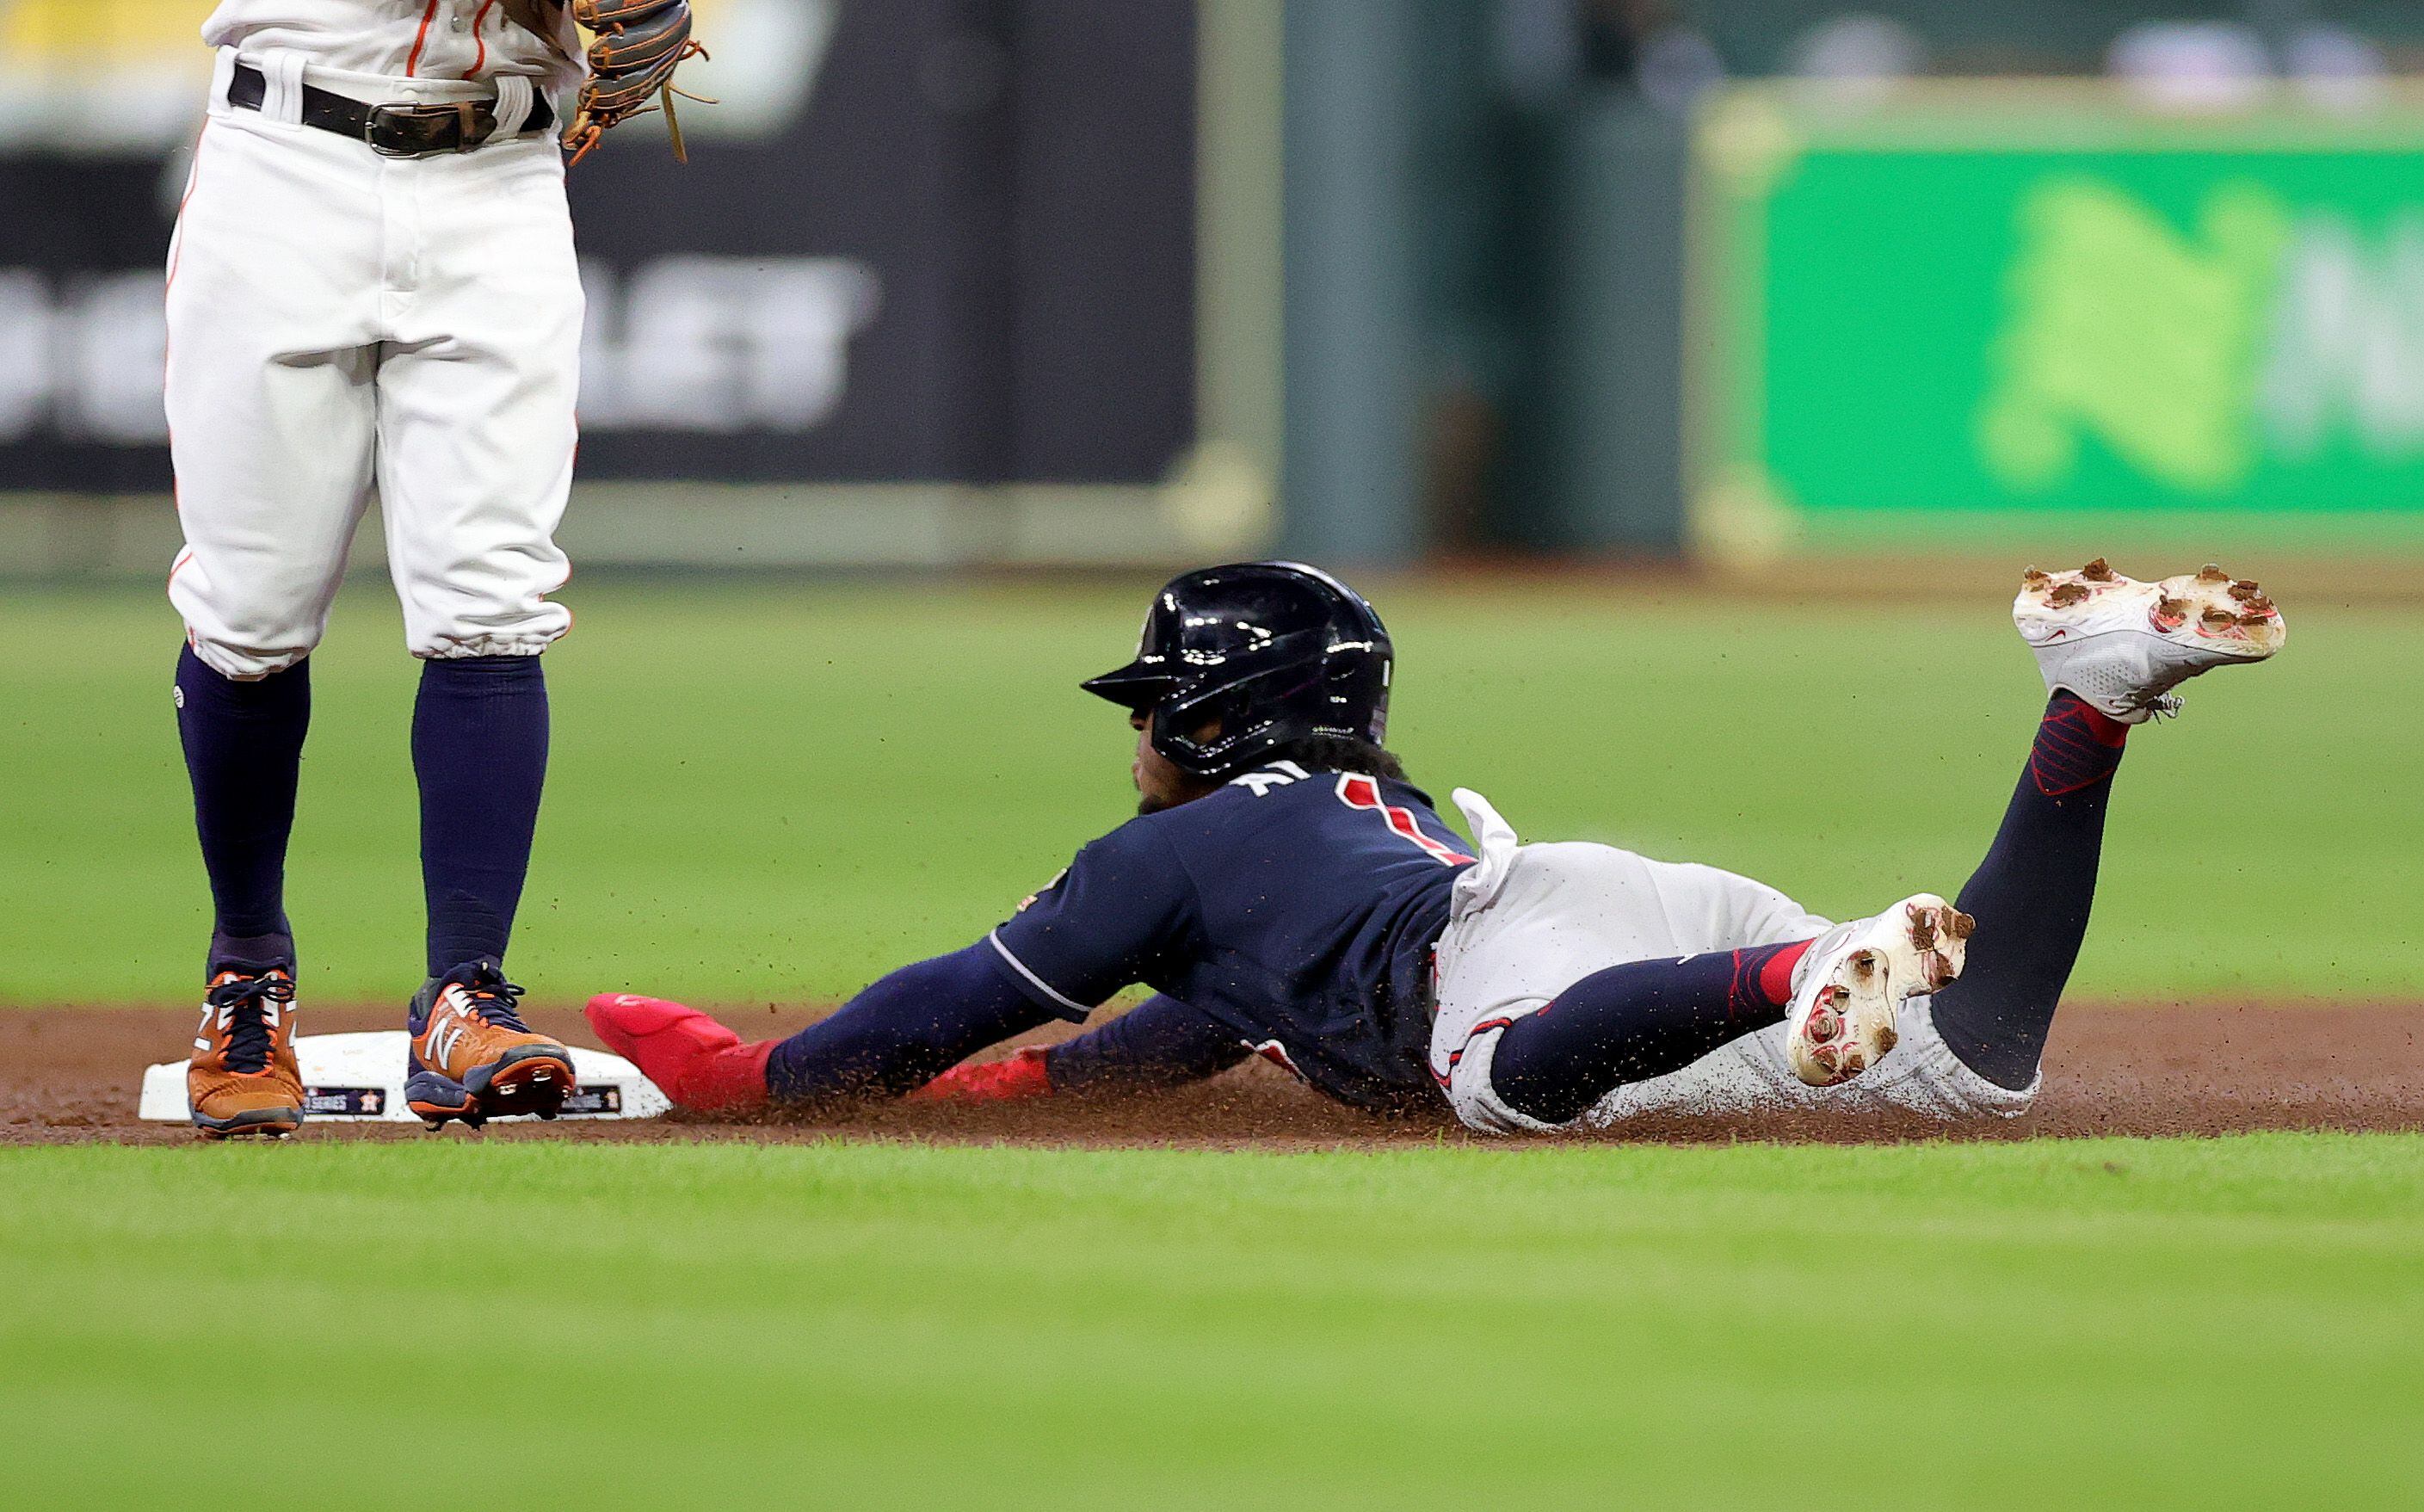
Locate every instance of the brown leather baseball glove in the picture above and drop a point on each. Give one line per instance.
(634, 48)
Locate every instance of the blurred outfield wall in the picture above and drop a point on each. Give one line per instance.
(1968, 316)
(946, 281)
(1068, 282)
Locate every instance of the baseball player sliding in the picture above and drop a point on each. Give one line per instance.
(372, 289)
(1287, 892)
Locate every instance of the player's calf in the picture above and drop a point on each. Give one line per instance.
(2112, 649)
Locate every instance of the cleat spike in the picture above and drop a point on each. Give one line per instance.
(2065, 594)
(2033, 579)
(1962, 926)
(2253, 617)
(2217, 619)
(2245, 589)
(1922, 927)
(2210, 573)
(2098, 571)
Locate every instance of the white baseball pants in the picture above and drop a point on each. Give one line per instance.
(1531, 920)
(340, 323)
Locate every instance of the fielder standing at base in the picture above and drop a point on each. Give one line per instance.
(372, 290)
(1287, 893)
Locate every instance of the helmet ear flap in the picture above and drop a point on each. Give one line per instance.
(1174, 735)
(1191, 730)
(1358, 688)
(1213, 734)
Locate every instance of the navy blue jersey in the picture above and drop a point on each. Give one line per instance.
(1298, 908)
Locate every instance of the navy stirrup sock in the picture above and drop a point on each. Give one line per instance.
(244, 753)
(2032, 896)
(1639, 1020)
(479, 748)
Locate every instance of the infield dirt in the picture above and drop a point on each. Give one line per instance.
(68, 1075)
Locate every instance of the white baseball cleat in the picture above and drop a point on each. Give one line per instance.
(1847, 988)
(2123, 646)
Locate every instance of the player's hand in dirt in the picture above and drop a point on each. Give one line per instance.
(1016, 1080)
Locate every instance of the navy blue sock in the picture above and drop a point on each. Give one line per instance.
(479, 747)
(2032, 896)
(1637, 1021)
(244, 753)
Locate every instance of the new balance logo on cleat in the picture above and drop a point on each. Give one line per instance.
(444, 1042)
(474, 1059)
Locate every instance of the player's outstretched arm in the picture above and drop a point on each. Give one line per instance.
(1160, 1045)
(896, 1035)
(904, 1031)
(1072, 947)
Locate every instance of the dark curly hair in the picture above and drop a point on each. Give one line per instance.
(1339, 753)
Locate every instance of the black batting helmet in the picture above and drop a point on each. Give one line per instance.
(1253, 656)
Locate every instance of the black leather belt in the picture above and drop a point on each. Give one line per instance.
(393, 131)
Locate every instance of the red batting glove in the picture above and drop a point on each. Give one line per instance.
(1019, 1077)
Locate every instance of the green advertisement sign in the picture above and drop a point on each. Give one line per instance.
(2033, 303)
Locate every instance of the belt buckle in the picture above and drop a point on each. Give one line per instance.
(411, 131)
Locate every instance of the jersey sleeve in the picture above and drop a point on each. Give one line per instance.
(1123, 904)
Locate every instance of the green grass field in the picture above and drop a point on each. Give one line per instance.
(2223, 1324)
(776, 793)
(773, 792)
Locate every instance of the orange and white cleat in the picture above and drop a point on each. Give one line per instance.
(1849, 985)
(474, 1058)
(2123, 646)
(242, 1081)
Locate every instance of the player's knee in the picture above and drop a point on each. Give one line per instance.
(1473, 1095)
(1476, 1105)
(1973, 1093)
(245, 625)
(249, 652)
(1967, 1097)
(1962, 1071)
(468, 620)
